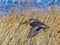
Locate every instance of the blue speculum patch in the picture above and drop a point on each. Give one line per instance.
(39, 4)
(39, 28)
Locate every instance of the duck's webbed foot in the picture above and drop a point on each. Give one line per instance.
(46, 27)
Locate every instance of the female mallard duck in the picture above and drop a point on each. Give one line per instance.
(36, 27)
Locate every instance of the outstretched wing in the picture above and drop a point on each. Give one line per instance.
(44, 25)
(38, 23)
(32, 32)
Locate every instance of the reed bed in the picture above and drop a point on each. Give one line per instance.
(14, 32)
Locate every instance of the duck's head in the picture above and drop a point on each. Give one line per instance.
(30, 21)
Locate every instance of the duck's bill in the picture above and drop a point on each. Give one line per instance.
(32, 33)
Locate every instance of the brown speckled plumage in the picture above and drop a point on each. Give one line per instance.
(34, 24)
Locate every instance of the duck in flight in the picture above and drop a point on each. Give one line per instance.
(36, 27)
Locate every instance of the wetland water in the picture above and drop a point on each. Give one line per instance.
(22, 5)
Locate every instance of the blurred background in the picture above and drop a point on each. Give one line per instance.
(13, 13)
(22, 5)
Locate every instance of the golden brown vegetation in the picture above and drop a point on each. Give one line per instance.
(13, 32)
